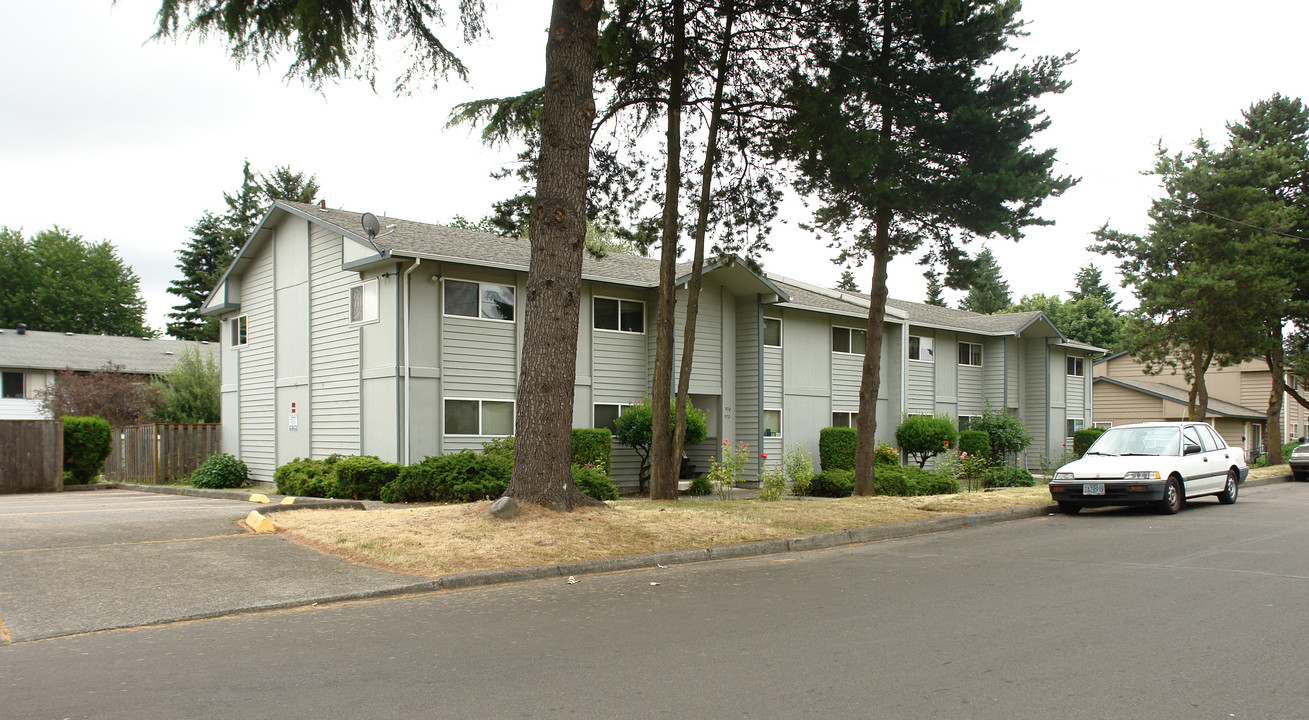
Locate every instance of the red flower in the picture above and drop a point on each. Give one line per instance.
(763, 455)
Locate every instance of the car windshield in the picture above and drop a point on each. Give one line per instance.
(1137, 441)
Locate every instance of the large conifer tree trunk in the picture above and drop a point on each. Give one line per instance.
(543, 429)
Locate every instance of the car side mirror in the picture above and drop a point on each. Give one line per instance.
(1191, 449)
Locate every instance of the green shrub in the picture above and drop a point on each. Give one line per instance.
(910, 480)
(892, 480)
(1009, 476)
(1007, 434)
(594, 482)
(87, 442)
(363, 477)
(220, 472)
(592, 446)
(459, 477)
(934, 484)
(975, 442)
(700, 486)
(925, 436)
(501, 448)
(832, 483)
(1082, 440)
(309, 478)
(635, 429)
(836, 448)
(886, 455)
(772, 482)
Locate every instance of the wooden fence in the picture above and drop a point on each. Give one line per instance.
(160, 453)
(31, 456)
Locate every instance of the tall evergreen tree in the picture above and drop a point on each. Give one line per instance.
(216, 239)
(906, 133)
(58, 282)
(935, 289)
(847, 282)
(989, 292)
(1091, 286)
(330, 45)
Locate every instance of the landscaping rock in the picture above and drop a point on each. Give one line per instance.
(504, 508)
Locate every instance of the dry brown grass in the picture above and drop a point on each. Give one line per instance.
(439, 539)
(1271, 471)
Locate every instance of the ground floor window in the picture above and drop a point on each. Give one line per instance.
(1103, 425)
(490, 418)
(772, 423)
(1073, 425)
(845, 419)
(966, 421)
(606, 415)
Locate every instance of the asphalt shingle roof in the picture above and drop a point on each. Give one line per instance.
(1182, 396)
(39, 350)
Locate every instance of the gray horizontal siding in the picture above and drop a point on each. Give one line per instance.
(257, 358)
(972, 389)
(334, 351)
(920, 381)
(847, 376)
(479, 360)
(993, 362)
(618, 367)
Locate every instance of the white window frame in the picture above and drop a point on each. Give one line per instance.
(480, 401)
(445, 311)
(924, 343)
(764, 335)
(243, 323)
(851, 421)
(1078, 366)
(762, 423)
(364, 304)
(850, 340)
(971, 354)
(1104, 424)
(1072, 425)
(620, 329)
(22, 384)
(621, 407)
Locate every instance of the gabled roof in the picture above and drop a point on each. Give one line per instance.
(39, 350)
(1181, 396)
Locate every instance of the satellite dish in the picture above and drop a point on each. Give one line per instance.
(371, 225)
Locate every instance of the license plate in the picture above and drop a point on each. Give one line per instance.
(1093, 489)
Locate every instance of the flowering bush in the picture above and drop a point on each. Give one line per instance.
(799, 469)
(724, 475)
(772, 479)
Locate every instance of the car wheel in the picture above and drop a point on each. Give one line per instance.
(1173, 497)
(1068, 508)
(1228, 495)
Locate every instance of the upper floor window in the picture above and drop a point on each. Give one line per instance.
(970, 354)
(1076, 366)
(773, 332)
(849, 340)
(479, 299)
(922, 348)
(13, 386)
(237, 331)
(363, 302)
(620, 315)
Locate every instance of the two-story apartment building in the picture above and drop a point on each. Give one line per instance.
(408, 344)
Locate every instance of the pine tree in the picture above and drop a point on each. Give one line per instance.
(934, 289)
(1090, 285)
(216, 239)
(989, 292)
(847, 282)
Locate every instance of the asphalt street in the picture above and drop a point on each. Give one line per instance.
(1110, 614)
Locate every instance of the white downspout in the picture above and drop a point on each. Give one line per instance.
(408, 372)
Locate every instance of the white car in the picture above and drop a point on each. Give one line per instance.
(1162, 464)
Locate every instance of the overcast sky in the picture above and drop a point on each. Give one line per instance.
(115, 137)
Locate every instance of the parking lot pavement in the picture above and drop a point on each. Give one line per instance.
(87, 561)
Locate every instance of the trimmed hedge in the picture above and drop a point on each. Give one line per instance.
(1082, 439)
(594, 483)
(975, 442)
(458, 478)
(832, 483)
(592, 446)
(309, 478)
(926, 436)
(220, 472)
(363, 477)
(87, 442)
(1009, 476)
(836, 450)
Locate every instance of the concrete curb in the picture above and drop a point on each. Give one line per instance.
(301, 503)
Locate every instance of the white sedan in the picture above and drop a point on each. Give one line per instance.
(1162, 464)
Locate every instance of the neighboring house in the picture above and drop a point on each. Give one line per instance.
(408, 344)
(1238, 399)
(29, 360)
